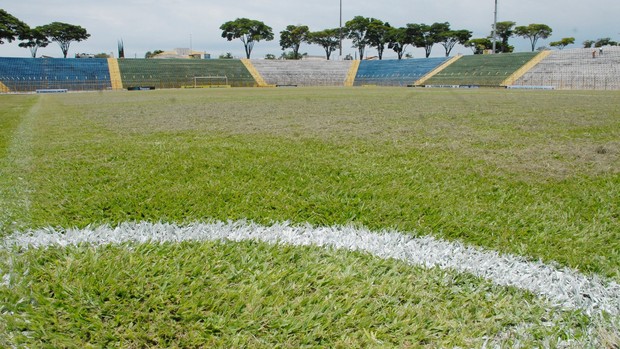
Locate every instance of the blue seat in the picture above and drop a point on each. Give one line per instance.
(395, 72)
(31, 74)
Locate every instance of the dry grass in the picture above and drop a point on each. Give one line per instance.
(536, 134)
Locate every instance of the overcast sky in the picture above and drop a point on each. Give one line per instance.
(148, 25)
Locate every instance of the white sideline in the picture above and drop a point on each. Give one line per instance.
(562, 286)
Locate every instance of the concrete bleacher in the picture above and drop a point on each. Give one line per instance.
(31, 74)
(576, 69)
(303, 72)
(395, 72)
(481, 70)
(176, 73)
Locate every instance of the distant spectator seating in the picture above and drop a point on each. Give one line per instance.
(303, 72)
(176, 73)
(395, 72)
(481, 70)
(577, 69)
(31, 74)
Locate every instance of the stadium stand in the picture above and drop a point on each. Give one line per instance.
(303, 72)
(525, 68)
(255, 74)
(481, 70)
(567, 69)
(31, 74)
(115, 74)
(437, 70)
(176, 73)
(395, 72)
(579, 69)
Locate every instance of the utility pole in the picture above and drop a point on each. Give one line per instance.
(340, 30)
(495, 28)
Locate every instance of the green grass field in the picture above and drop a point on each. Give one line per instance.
(530, 173)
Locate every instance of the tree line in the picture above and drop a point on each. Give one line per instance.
(367, 32)
(364, 32)
(64, 34)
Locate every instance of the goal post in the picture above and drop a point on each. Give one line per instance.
(212, 80)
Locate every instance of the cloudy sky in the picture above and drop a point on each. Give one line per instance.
(147, 25)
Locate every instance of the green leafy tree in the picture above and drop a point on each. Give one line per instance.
(290, 55)
(448, 39)
(605, 42)
(378, 35)
(226, 55)
(504, 31)
(562, 43)
(152, 54)
(64, 34)
(356, 30)
(292, 37)
(479, 45)
(426, 36)
(11, 27)
(33, 40)
(249, 31)
(270, 56)
(588, 43)
(329, 39)
(533, 32)
(399, 40)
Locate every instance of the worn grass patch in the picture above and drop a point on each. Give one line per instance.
(256, 295)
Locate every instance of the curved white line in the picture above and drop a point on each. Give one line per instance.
(562, 286)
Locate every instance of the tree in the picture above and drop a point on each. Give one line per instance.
(64, 34)
(329, 39)
(378, 35)
(398, 40)
(426, 36)
(562, 43)
(249, 31)
(270, 56)
(504, 31)
(292, 37)
(11, 27)
(121, 48)
(152, 54)
(605, 42)
(588, 43)
(290, 55)
(356, 30)
(449, 39)
(33, 40)
(479, 45)
(226, 55)
(533, 32)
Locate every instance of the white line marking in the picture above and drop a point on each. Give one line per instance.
(15, 191)
(562, 286)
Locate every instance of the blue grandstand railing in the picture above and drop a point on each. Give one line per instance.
(31, 74)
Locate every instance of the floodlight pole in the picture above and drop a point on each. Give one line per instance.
(495, 28)
(340, 29)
